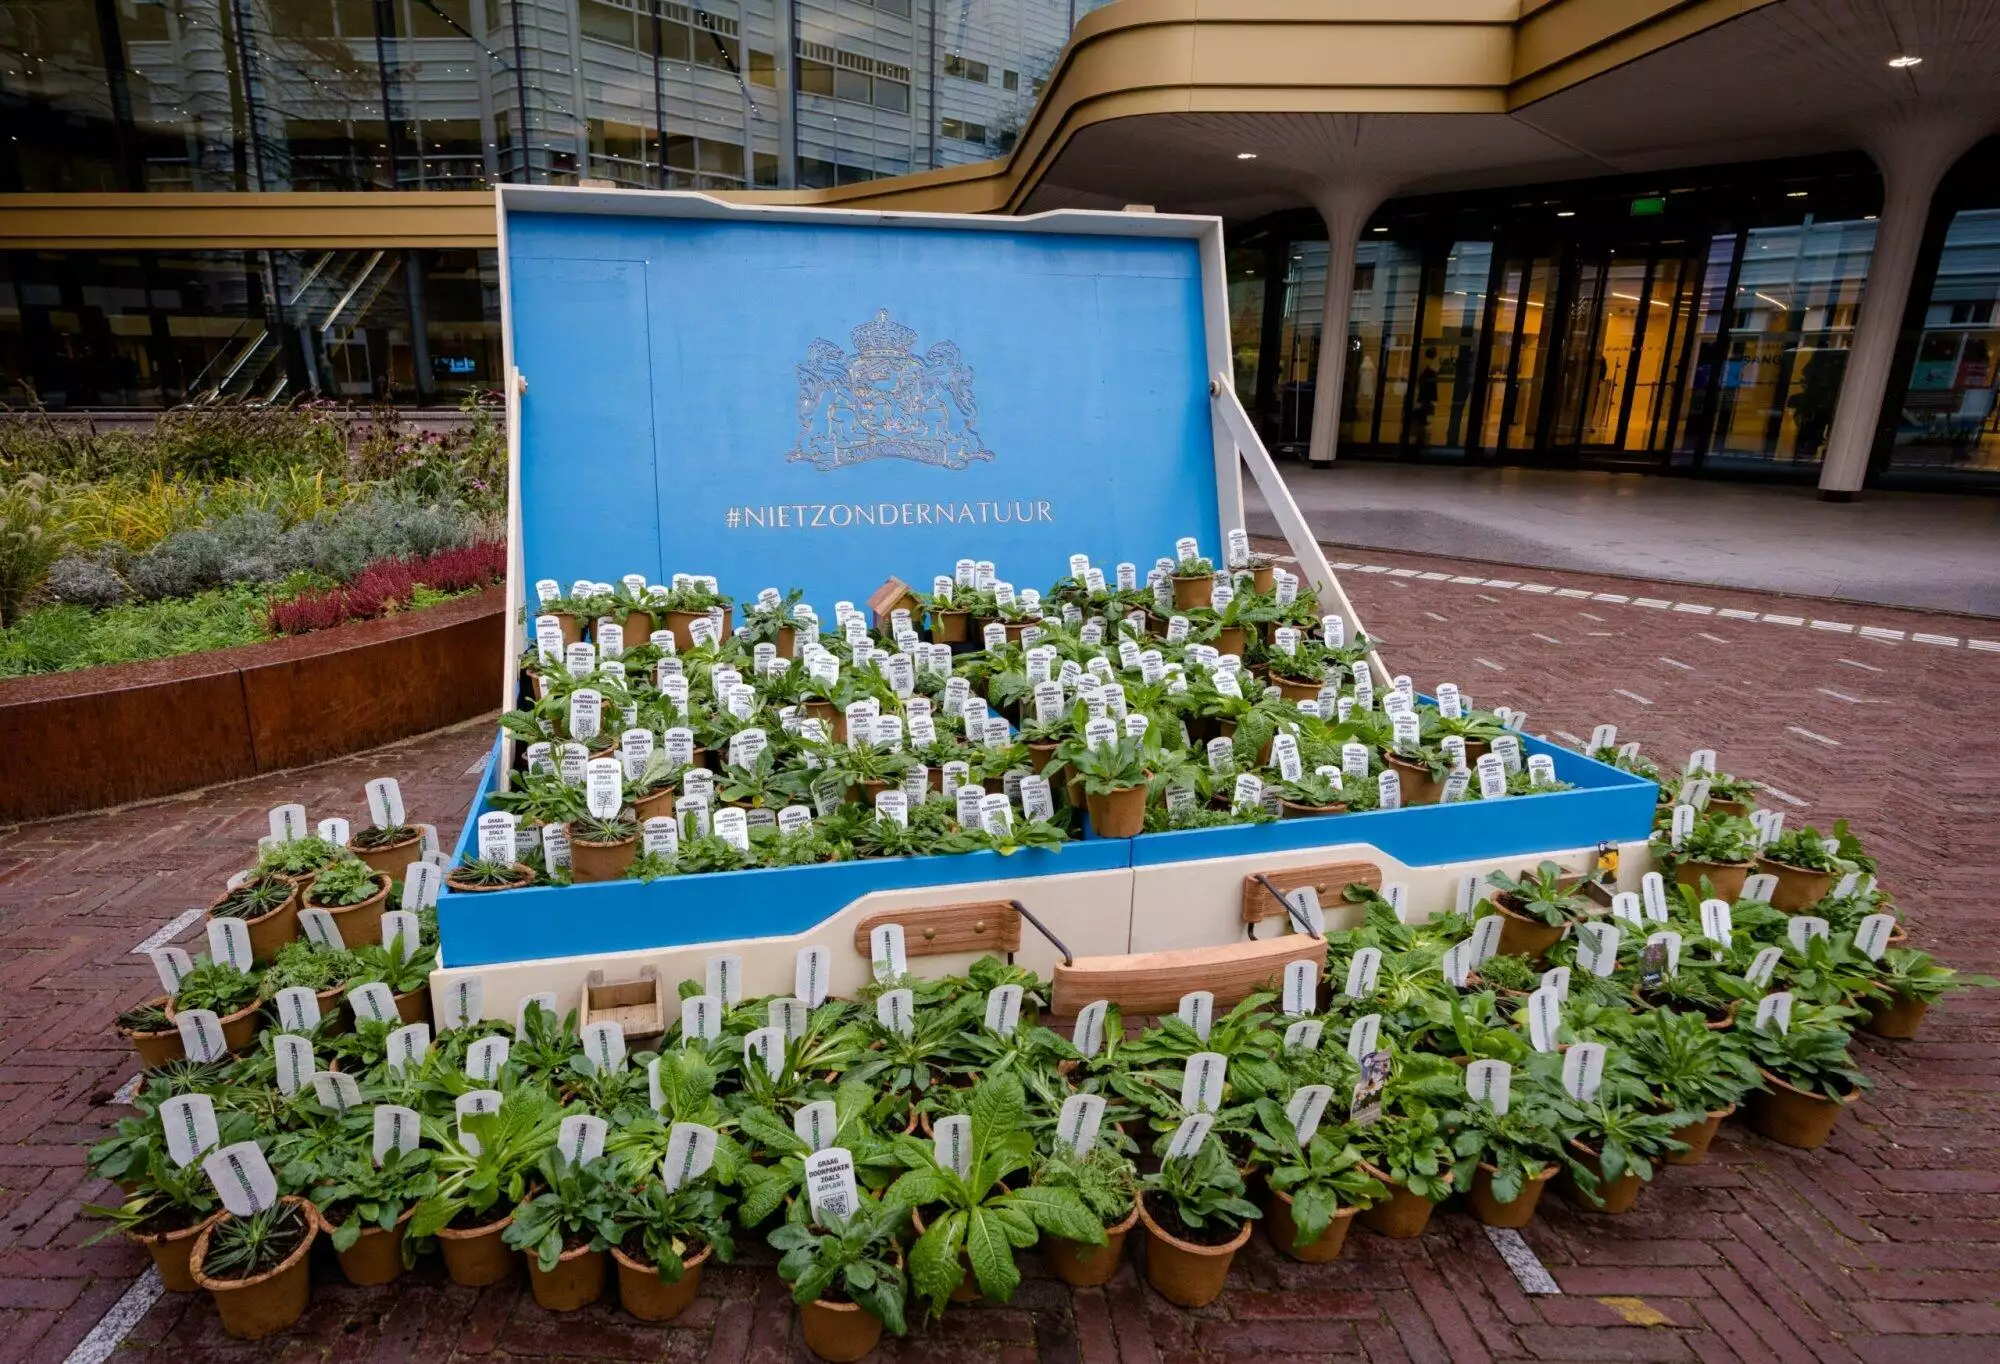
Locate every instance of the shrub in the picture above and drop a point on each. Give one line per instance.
(389, 585)
(32, 538)
(89, 582)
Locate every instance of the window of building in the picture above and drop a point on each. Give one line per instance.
(962, 130)
(439, 18)
(1010, 80)
(1949, 418)
(815, 77)
(764, 166)
(965, 68)
(609, 23)
(850, 76)
(763, 67)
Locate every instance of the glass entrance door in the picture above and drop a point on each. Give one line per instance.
(1522, 323)
(1625, 344)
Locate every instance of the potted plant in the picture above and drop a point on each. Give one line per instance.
(1611, 1144)
(1196, 1218)
(773, 623)
(659, 781)
(1107, 1185)
(1911, 982)
(1731, 795)
(1113, 776)
(323, 970)
(948, 617)
(1505, 1160)
(691, 599)
(565, 1229)
(1719, 850)
(1808, 1077)
(268, 905)
(364, 1209)
(255, 1267)
(666, 1236)
(846, 1277)
(231, 994)
(1311, 793)
(760, 784)
(1407, 1152)
(1804, 868)
(1194, 583)
(151, 1031)
(1698, 1072)
(601, 849)
(475, 875)
(297, 859)
(406, 977)
(867, 769)
(388, 849)
(775, 1175)
(1536, 908)
(356, 895)
(1314, 1190)
(480, 1181)
(167, 1206)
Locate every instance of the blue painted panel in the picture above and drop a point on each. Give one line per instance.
(1083, 357)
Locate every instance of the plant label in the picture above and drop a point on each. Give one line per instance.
(1405, 730)
(830, 1186)
(810, 972)
(293, 1056)
(580, 659)
(298, 1009)
(372, 1003)
(1456, 964)
(335, 830)
(484, 1058)
(396, 1129)
(1556, 978)
(896, 1010)
(1508, 749)
(1492, 776)
(1583, 1070)
(188, 1120)
(1221, 757)
(548, 639)
(1202, 1082)
(385, 802)
(1491, 1082)
(701, 1018)
(1190, 1135)
(1078, 1124)
(1597, 948)
(1227, 685)
(1542, 770)
(1604, 736)
(1715, 921)
(604, 1047)
(1626, 908)
(1003, 1009)
(1362, 1037)
(816, 1124)
(1774, 1011)
(724, 975)
(1088, 1035)
(1037, 801)
(496, 836)
(690, 1154)
(408, 1045)
(1397, 893)
(580, 1139)
(1768, 824)
(1763, 965)
(733, 828)
(635, 749)
(171, 964)
(1682, 825)
(1301, 989)
(1362, 970)
(1803, 929)
(545, 1001)
(1700, 761)
(401, 925)
(1304, 1035)
(1136, 725)
(1872, 936)
(572, 763)
(1305, 1108)
(660, 837)
(768, 1045)
(288, 822)
(969, 800)
(1759, 886)
(1197, 1010)
(1846, 884)
(1653, 891)
(1485, 938)
(586, 713)
(1693, 791)
(996, 816)
(1099, 732)
(951, 1144)
(1467, 895)
(201, 1034)
(242, 1178)
(338, 1090)
(1285, 757)
(1544, 1019)
(1249, 791)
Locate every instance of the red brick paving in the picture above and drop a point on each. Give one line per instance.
(1884, 1246)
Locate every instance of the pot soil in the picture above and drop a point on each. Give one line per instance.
(1186, 1272)
(392, 859)
(646, 1297)
(524, 875)
(1403, 1215)
(947, 627)
(1492, 1212)
(1726, 877)
(239, 1029)
(156, 1049)
(839, 1331)
(1284, 1232)
(476, 1256)
(1196, 591)
(1419, 786)
(266, 1303)
(171, 1251)
(1117, 814)
(271, 930)
(1523, 936)
(414, 1006)
(575, 1283)
(1613, 1195)
(1798, 887)
(377, 1258)
(1898, 1016)
(661, 802)
(1081, 1265)
(360, 925)
(600, 861)
(1293, 810)
(1792, 1116)
(1698, 1135)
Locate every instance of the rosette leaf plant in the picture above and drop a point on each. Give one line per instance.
(359, 1194)
(855, 1260)
(1811, 1054)
(575, 1208)
(775, 1175)
(1518, 1145)
(1689, 1067)
(1321, 1176)
(664, 1227)
(1620, 1136)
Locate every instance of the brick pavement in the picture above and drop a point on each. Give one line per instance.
(1883, 1246)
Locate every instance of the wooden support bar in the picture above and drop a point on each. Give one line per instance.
(1153, 982)
(1328, 878)
(940, 930)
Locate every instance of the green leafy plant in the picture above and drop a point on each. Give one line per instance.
(1540, 895)
(1321, 1176)
(1103, 1180)
(255, 898)
(663, 1227)
(478, 1181)
(244, 1247)
(215, 985)
(359, 1194)
(1724, 839)
(1689, 1066)
(1518, 1145)
(1410, 1148)
(1199, 1197)
(1914, 975)
(477, 871)
(1110, 767)
(575, 1208)
(778, 1173)
(302, 962)
(857, 1259)
(347, 882)
(377, 836)
(1811, 1054)
(1802, 848)
(1626, 1138)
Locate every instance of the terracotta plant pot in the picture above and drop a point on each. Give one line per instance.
(1738, 808)
(1294, 689)
(1284, 1232)
(267, 1303)
(524, 876)
(1193, 592)
(1798, 887)
(947, 627)
(839, 1331)
(392, 859)
(1726, 878)
(476, 1256)
(1793, 1117)
(1492, 1212)
(1086, 1266)
(661, 802)
(1229, 640)
(1183, 1272)
(1265, 579)
(239, 1029)
(171, 1251)
(1293, 810)
(1073, 792)
(1613, 1196)
(1419, 786)
(414, 1006)
(1018, 628)
(156, 1049)
(1698, 1136)
(1117, 814)
(646, 1297)
(638, 628)
(360, 925)
(678, 622)
(1403, 1215)
(333, 1013)
(1040, 756)
(572, 628)
(575, 1283)
(271, 930)
(590, 862)
(1898, 1016)
(376, 1258)
(1522, 936)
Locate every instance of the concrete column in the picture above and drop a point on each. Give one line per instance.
(1345, 209)
(1913, 151)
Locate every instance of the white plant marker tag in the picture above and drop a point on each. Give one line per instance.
(1492, 777)
(189, 1123)
(1190, 1135)
(420, 891)
(1693, 791)
(1079, 1122)
(484, 1058)
(1604, 736)
(1699, 761)
(497, 837)
(1363, 1036)
(201, 1034)
(603, 786)
(1872, 937)
(1201, 1083)
(1467, 895)
(1304, 1035)
(1715, 921)
(1485, 937)
(1846, 885)
(788, 1016)
(337, 1090)
(298, 1009)
(385, 802)
(396, 1129)
(816, 1124)
(1653, 891)
(408, 1045)
(242, 1178)
(229, 940)
(768, 1044)
(830, 1186)
(1307, 910)
(1544, 1019)
(294, 1057)
(1583, 1070)
(1305, 1108)
(1557, 978)
(288, 822)
(171, 964)
(1682, 825)
(1397, 893)
(604, 1046)
(1597, 948)
(372, 1002)
(951, 1144)
(1775, 1010)
(1759, 886)
(1003, 1009)
(1389, 790)
(580, 1139)
(701, 1019)
(1197, 1010)
(546, 1000)
(1492, 1081)
(1626, 908)
(335, 830)
(1763, 964)
(725, 978)
(1088, 1035)
(690, 1154)
(401, 930)
(886, 949)
(1456, 964)
(1301, 990)
(1362, 970)
(809, 975)
(1670, 943)
(1804, 928)
(896, 1010)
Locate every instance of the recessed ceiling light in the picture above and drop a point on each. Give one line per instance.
(1795, 194)
(1246, 156)
(1381, 229)
(1904, 62)
(1565, 213)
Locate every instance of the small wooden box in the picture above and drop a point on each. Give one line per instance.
(634, 1005)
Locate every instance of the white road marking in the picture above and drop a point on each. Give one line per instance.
(1853, 664)
(1786, 620)
(1816, 738)
(1436, 617)
(1715, 638)
(1404, 572)
(1573, 592)
(1604, 633)
(1991, 646)
(1877, 632)
(1843, 696)
(1837, 626)
(130, 1309)
(1433, 577)
(1502, 582)
(1951, 640)
(1676, 663)
(1632, 695)
(1587, 615)
(1374, 568)
(1489, 663)
(1613, 597)
(1546, 639)
(1539, 589)
(173, 930)
(1521, 1260)
(1694, 608)
(1785, 796)
(1736, 613)
(1483, 597)
(1652, 603)
(1473, 581)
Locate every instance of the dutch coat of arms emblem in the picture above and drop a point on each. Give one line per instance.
(885, 402)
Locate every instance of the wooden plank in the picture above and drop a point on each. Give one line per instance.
(939, 930)
(1153, 982)
(1328, 878)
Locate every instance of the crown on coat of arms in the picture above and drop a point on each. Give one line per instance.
(883, 336)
